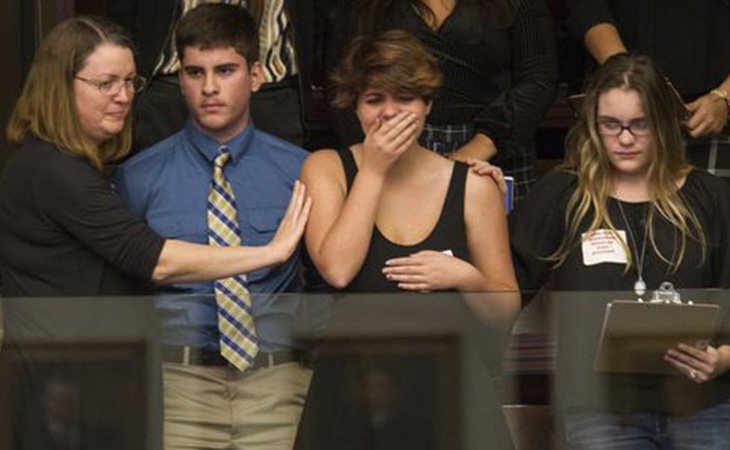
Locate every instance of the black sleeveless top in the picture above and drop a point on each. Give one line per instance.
(448, 234)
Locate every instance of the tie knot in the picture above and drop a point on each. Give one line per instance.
(223, 157)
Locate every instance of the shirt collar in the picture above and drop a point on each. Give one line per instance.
(208, 147)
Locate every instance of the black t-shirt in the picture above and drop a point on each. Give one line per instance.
(537, 227)
(63, 232)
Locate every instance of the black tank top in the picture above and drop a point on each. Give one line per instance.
(448, 234)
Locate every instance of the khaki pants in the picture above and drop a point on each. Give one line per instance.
(222, 408)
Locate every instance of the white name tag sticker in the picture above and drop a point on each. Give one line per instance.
(603, 246)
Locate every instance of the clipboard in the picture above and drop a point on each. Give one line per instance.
(636, 335)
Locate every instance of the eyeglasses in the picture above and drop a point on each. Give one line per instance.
(612, 127)
(113, 86)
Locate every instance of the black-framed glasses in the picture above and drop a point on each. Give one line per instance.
(612, 127)
(113, 86)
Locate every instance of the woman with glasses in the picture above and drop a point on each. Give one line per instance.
(626, 212)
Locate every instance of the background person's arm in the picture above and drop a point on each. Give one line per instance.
(710, 112)
(603, 41)
(593, 23)
(480, 147)
(534, 73)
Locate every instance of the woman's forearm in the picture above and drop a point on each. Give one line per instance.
(185, 262)
(479, 147)
(603, 41)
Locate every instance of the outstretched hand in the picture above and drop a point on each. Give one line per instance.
(291, 228)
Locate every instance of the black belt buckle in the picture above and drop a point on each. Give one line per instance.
(191, 356)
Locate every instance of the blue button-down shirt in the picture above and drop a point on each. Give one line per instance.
(168, 185)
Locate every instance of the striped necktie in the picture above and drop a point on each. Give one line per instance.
(238, 340)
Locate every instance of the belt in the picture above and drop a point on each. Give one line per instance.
(195, 356)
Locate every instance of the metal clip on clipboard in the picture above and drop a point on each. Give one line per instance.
(666, 294)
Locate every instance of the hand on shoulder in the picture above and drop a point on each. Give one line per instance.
(485, 191)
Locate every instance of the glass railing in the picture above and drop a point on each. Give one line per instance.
(406, 371)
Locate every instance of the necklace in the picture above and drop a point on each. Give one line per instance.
(639, 284)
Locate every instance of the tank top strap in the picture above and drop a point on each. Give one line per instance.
(348, 163)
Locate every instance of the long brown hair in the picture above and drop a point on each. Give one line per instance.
(46, 107)
(587, 158)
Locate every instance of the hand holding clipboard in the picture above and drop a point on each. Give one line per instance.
(662, 336)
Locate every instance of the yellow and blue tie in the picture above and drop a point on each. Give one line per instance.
(238, 340)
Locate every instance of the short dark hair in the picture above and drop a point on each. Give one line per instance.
(394, 60)
(218, 25)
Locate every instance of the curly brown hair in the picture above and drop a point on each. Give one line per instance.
(395, 61)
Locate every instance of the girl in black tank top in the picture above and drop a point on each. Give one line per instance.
(370, 200)
(389, 215)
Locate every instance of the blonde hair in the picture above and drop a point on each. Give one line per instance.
(395, 61)
(46, 107)
(587, 158)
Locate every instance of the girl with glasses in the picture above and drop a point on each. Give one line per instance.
(626, 212)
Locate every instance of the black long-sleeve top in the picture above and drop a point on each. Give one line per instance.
(500, 69)
(537, 227)
(689, 39)
(63, 232)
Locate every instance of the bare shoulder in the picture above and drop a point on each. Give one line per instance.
(482, 189)
(321, 163)
(322, 158)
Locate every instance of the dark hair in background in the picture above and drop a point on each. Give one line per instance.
(374, 16)
(46, 107)
(218, 25)
(395, 61)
